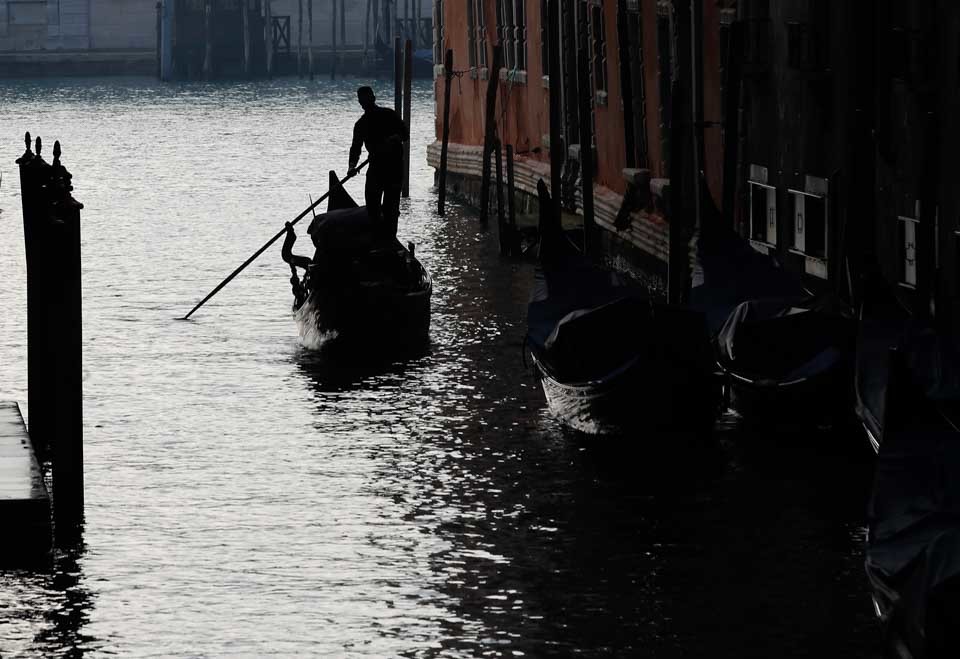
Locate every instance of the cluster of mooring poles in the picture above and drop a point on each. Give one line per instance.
(51, 227)
(493, 147)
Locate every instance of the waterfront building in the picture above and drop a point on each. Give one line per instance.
(40, 37)
(212, 38)
(848, 154)
(634, 64)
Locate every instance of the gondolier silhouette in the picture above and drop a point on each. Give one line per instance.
(383, 133)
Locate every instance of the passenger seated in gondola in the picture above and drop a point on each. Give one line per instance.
(301, 287)
(383, 133)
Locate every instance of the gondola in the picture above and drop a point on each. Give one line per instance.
(908, 399)
(611, 360)
(358, 290)
(789, 359)
(785, 354)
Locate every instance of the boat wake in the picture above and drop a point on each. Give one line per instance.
(311, 336)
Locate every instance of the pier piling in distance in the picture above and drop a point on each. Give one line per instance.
(310, 38)
(397, 76)
(207, 40)
(245, 26)
(51, 218)
(300, 38)
(333, 40)
(407, 86)
(444, 146)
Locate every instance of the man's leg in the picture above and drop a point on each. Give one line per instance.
(391, 208)
(373, 192)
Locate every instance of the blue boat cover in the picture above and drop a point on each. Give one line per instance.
(729, 271)
(786, 339)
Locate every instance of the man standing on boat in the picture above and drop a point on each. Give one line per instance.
(383, 133)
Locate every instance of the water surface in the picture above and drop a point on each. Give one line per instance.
(244, 498)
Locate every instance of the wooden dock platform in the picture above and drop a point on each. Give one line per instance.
(24, 502)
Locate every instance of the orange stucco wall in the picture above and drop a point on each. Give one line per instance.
(523, 108)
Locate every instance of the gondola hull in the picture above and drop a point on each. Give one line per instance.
(362, 291)
(640, 396)
(823, 399)
(372, 314)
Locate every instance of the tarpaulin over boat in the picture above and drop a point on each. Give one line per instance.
(931, 362)
(584, 319)
(729, 271)
(345, 230)
(788, 339)
(913, 553)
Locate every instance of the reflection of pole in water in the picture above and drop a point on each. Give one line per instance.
(68, 611)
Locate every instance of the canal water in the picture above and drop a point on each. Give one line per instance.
(245, 499)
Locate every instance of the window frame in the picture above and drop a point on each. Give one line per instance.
(439, 29)
(771, 192)
(814, 264)
(512, 30)
(907, 247)
(599, 69)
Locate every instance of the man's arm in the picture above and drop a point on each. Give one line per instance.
(357, 144)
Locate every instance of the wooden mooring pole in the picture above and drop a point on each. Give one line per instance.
(585, 92)
(51, 219)
(407, 86)
(245, 21)
(557, 150)
(299, 38)
(268, 35)
(397, 76)
(310, 38)
(501, 211)
(207, 40)
(444, 145)
(333, 40)
(513, 236)
(159, 30)
(490, 131)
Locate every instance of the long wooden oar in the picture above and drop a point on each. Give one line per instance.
(271, 241)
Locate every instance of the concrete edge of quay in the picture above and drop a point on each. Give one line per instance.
(641, 250)
(24, 500)
(48, 63)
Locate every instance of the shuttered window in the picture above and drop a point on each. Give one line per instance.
(512, 30)
(438, 32)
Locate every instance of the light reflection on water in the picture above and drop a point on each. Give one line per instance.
(245, 497)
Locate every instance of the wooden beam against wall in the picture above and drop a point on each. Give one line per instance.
(490, 132)
(585, 91)
(556, 143)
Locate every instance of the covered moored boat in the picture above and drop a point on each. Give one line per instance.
(610, 359)
(786, 354)
(913, 545)
(789, 359)
(358, 289)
